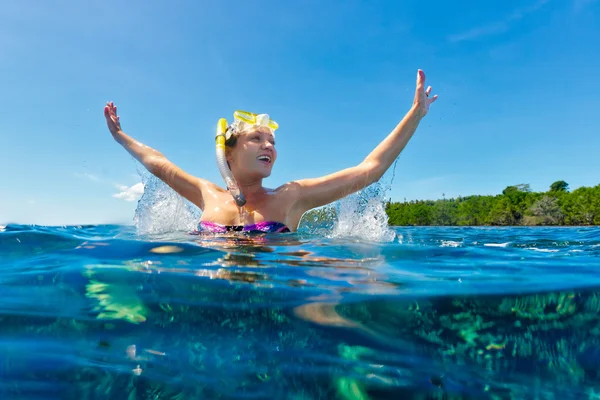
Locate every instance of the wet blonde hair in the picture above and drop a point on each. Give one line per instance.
(232, 141)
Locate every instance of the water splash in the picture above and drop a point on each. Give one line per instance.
(162, 210)
(360, 215)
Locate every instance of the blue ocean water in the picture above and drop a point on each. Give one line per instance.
(98, 312)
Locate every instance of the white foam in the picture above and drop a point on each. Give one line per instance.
(2, 228)
(543, 250)
(496, 244)
(450, 243)
(400, 238)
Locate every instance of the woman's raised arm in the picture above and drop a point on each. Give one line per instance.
(316, 192)
(154, 161)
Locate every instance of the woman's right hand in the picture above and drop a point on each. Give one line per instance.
(112, 119)
(422, 100)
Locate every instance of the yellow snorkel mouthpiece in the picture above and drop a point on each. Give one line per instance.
(242, 120)
(221, 129)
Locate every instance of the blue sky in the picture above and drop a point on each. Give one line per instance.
(517, 81)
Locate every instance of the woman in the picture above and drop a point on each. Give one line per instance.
(250, 155)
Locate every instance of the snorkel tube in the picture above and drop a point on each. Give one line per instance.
(241, 121)
(222, 164)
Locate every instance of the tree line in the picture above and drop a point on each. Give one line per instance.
(517, 205)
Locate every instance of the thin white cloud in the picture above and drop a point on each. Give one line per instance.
(498, 27)
(131, 193)
(490, 29)
(85, 175)
(127, 193)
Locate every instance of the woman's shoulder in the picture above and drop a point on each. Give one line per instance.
(287, 189)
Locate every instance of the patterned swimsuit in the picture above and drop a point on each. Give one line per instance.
(265, 227)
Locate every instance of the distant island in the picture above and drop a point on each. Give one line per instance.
(517, 205)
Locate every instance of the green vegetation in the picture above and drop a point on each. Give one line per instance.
(517, 205)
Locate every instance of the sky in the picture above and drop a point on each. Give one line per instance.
(517, 81)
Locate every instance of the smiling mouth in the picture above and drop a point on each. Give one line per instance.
(265, 159)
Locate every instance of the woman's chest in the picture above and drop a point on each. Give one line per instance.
(222, 209)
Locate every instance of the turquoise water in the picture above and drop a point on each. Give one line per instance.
(96, 312)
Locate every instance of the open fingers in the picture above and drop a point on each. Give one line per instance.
(420, 79)
(428, 91)
(110, 108)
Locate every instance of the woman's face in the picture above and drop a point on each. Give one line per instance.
(254, 154)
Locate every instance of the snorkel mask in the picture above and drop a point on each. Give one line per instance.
(242, 120)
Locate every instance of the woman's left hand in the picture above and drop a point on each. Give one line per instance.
(422, 100)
